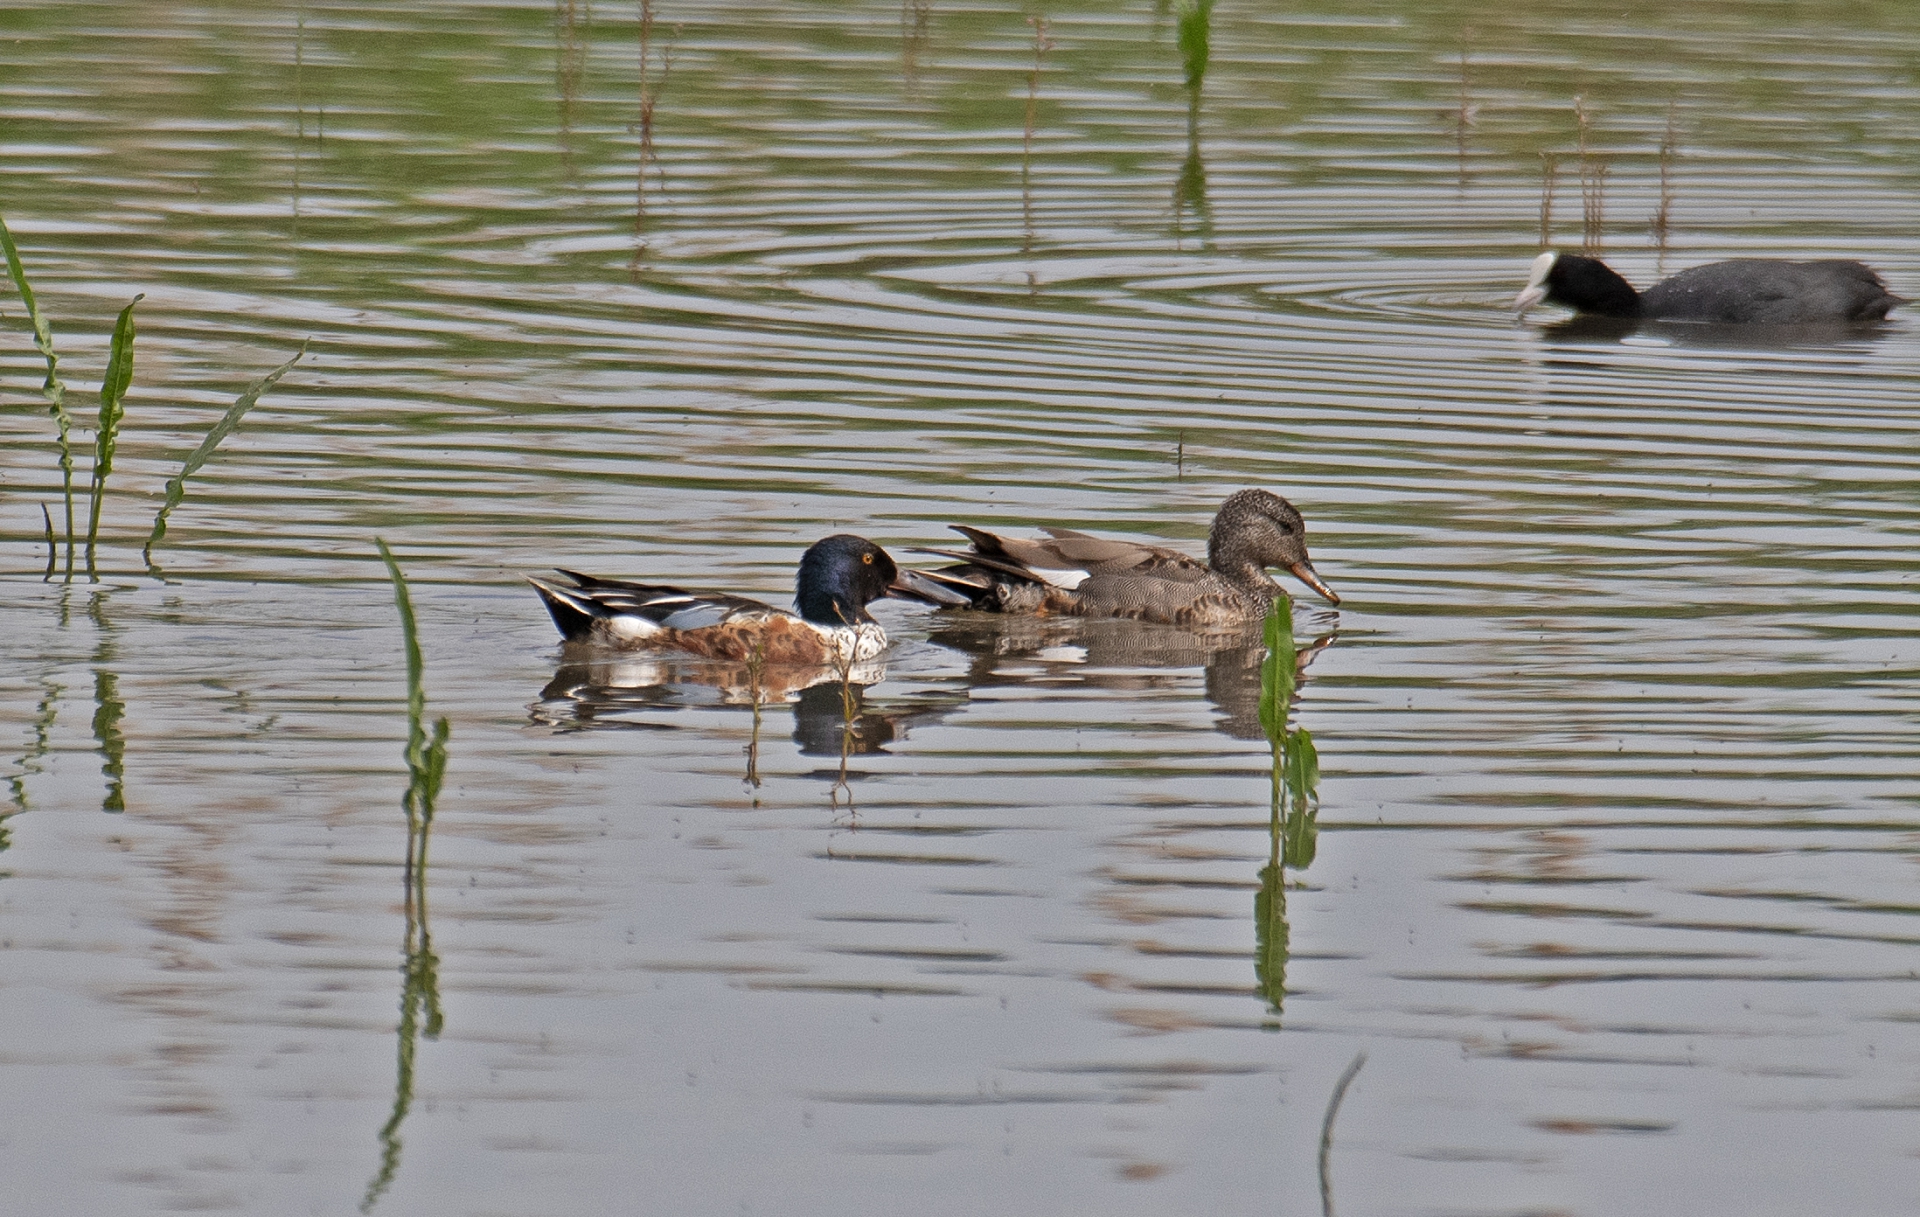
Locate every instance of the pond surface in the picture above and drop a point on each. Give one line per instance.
(1613, 864)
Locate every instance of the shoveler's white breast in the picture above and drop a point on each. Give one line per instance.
(853, 643)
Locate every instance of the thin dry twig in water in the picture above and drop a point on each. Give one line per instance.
(1663, 215)
(843, 664)
(1464, 116)
(650, 88)
(915, 16)
(756, 673)
(1549, 173)
(1326, 1132)
(1041, 45)
(1593, 182)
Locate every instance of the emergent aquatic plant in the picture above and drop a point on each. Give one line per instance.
(420, 968)
(177, 485)
(55, 390)
(113, 392)
(426, 759)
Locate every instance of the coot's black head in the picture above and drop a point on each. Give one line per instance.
(1586, 285)
(1257, 529)
(839, 577)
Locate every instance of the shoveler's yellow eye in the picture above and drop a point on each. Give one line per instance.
(867, 558)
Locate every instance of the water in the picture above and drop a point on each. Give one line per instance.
(1616, 821)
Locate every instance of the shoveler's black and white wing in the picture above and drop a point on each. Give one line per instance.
(628, 614)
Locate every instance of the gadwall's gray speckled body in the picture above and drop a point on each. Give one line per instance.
(1073, 574)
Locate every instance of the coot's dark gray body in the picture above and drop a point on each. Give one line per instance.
(1743, 291)
(1755, 291)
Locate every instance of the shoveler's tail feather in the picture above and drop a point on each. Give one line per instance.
(1006, 566)
(572, 613)
(983, 541)
(942, 589)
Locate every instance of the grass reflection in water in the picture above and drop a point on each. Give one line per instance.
(108, 708)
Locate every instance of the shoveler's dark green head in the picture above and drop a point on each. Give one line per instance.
(839, 577)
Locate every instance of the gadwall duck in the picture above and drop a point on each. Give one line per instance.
(1073, 574)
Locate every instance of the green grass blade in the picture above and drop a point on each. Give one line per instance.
(410, 636)
(1277, 671)
(177, 486)
(113, 408)
(426, 758)
(55, 389)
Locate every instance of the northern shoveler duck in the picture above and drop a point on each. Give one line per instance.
(1073, 574)
(1741, 291)
(838, 578)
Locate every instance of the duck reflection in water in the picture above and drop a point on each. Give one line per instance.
(832, 716)
(1119, 654)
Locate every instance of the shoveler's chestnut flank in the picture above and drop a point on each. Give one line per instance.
(1741, 291)
(1073, 574)
(838, 578)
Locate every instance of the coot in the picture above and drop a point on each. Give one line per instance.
(1743, 291)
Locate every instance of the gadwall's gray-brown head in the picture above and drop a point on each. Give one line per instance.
(1256, 529)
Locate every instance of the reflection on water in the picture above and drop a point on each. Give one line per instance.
(33, 760)
(1594, 329)
(1193, 33)
(108, 708)
(833, 713)
(1293, 779)
(420, 1013)
(1125, 655)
